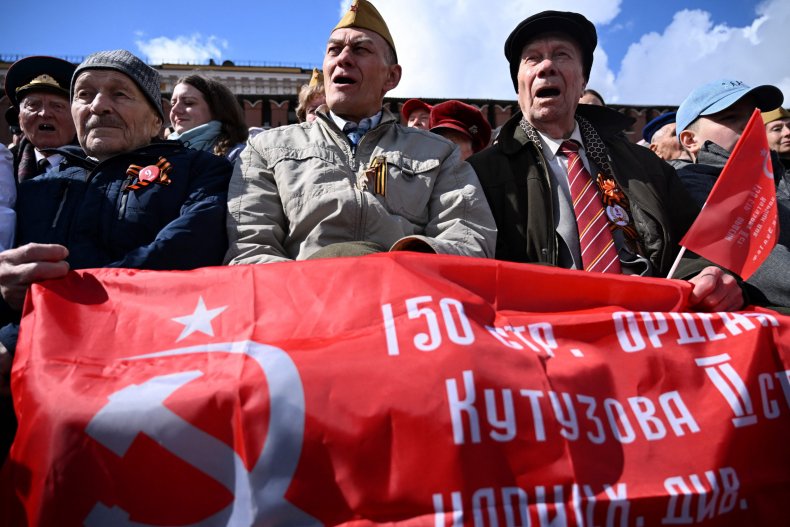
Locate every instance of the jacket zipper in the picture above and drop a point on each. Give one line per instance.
(124, 197)
(61, 205)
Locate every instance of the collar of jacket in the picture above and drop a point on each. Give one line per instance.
(76, 156)
(713, 155)
(607, 123)
(322, 113)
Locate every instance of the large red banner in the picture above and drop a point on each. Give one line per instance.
(397, 389)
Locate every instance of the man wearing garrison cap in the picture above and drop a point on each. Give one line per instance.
(568, 189)
(777, 128)
(311, 96)
(354, 181)
(122, 199)
(38, 88)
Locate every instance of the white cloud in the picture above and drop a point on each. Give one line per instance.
(691, 51)
(449, 48)
(453, 49)
(193, 49)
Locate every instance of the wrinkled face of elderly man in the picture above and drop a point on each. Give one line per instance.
(550, 83)
(111, 114)
(45, 119)
(665, 142)
(359, 68)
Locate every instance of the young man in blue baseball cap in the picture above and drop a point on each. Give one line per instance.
(709, 123)
(717, 112)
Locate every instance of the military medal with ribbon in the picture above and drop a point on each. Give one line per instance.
(376, 176)
(149, 174)
(616, 204)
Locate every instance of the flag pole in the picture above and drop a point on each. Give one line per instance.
(677, 262)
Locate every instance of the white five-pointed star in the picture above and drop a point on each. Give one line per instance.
(200, 320)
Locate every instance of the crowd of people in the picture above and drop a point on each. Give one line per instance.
(91, 183)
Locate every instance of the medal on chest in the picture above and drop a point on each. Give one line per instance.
(149, 174)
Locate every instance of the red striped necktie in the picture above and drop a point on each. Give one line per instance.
(597, 245)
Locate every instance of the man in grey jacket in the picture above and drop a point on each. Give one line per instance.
(354, 181)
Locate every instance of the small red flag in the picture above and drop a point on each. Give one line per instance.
(737, 227)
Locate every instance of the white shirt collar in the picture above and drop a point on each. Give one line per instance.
(341, 123)
(551, 145)
(54, 159)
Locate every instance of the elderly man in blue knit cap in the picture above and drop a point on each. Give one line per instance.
(121, 200)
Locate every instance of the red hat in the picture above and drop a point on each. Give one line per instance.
(464, 118)
(413, 104)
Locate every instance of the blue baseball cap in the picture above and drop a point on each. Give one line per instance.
(721, 94)
(656, 124)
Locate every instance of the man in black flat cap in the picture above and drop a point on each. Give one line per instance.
(38, 87)
(567, 188)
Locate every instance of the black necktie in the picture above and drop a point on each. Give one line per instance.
(42, 166)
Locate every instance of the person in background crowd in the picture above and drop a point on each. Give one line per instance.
(12, 118)
(416, 114)
(777, 128)
(660, 136)
(311, 97)
(709, 123)
(38, 88)
(463, 124)
(206, 116)
(538, 175)
(354, 181)
(591, 97)
(7, 198)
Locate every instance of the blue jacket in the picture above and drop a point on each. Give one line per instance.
(88, 208)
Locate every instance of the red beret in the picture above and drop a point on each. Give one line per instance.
(413, 104)
(464, 118)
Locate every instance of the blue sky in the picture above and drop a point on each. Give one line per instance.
(649, 52)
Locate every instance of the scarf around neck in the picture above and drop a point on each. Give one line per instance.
(596, 150)
(201, 137)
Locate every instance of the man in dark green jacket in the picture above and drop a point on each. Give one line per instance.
(638, 209)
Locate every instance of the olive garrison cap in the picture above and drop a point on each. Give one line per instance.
(363, 15)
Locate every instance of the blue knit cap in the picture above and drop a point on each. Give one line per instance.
(146, 77)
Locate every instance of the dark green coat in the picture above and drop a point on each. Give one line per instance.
(516, 182)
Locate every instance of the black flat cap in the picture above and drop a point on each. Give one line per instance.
(574, 25)
(38, 73)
